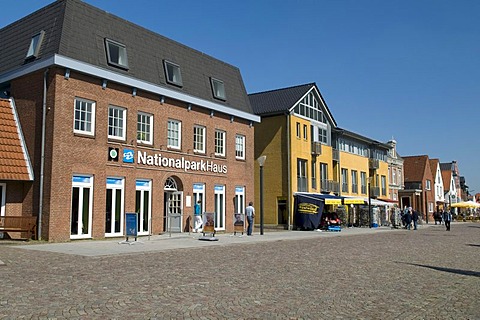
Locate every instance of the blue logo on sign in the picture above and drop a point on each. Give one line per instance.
(128, 155)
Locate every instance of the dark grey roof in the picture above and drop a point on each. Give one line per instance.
(279, 100)
(77, 30)
(446, 166)
(353, 135)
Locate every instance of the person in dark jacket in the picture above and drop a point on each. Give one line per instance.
(408, 219)
(415, 219)
(447, 218)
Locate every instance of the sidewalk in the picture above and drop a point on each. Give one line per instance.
(158, 243)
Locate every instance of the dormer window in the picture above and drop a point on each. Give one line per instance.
(218, 89)
(35, 45)
(116, 54)
(172, 72)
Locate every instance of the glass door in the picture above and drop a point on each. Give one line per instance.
(114, 208)
(219, 207)
(81, 213)
(143, 205)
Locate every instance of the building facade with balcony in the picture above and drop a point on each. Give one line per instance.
(362, 172)
(306, 152)
(295, 136)
(118, 119)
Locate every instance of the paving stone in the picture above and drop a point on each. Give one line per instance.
(393, 274)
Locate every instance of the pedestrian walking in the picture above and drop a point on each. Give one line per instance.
(250, 213)
(197, 211)
(447, 218)
(408, 219)
(415, 219)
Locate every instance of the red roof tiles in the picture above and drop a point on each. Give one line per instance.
(14, 164)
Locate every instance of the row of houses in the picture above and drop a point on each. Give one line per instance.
(100, 117)
(309, 153)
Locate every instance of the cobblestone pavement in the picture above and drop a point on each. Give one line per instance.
(399, 274)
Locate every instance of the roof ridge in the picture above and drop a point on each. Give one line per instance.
(285, 88)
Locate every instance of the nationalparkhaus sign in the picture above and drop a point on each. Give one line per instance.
(157, 160)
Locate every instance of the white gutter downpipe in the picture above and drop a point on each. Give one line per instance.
(42, 158)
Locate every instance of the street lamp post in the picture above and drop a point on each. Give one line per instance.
(261, 162)
(369, 206)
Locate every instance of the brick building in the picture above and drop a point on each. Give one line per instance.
(118, 119)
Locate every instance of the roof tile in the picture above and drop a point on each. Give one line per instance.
(13, 164)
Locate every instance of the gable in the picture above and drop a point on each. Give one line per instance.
(14, 160)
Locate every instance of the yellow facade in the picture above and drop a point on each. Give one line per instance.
(301, 144)
(271, 142)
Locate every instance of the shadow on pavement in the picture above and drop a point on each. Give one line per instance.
(473, 245)
(450, 270)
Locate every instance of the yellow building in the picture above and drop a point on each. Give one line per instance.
(306, 152)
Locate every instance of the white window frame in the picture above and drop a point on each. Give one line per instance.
(199, 133)
(119, 61)
(302, 175)
(172, 73)
(144, 129)
(218, 89)
(384, 185)
(240, 147)
(354, 176)
(363, 182)
(119, 125)
(314, 174)
(344, 174)
(428, 184)
(323, 175)
(220, 141)
(174, 130)
(35, 45)
(86, 117)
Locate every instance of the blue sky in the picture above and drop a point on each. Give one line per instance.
(407, 69)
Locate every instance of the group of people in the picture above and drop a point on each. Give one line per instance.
(410, 216)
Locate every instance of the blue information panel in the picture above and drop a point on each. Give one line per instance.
(131, 224)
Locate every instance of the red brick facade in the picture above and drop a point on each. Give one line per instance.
(68, 154)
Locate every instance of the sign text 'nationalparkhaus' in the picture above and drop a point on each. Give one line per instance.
(158, 160)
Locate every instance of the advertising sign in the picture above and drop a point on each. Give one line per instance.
(131, 224)
(208, 222)
(239, 222)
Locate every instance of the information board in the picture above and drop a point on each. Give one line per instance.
(131, 223)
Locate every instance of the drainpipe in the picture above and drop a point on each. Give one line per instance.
(289, 172)
(42, 158)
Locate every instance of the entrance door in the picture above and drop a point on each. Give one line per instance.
(282, 212)
(219, 199)
(82, 203)
(114, 207)
(173, 209)
(143, 200)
